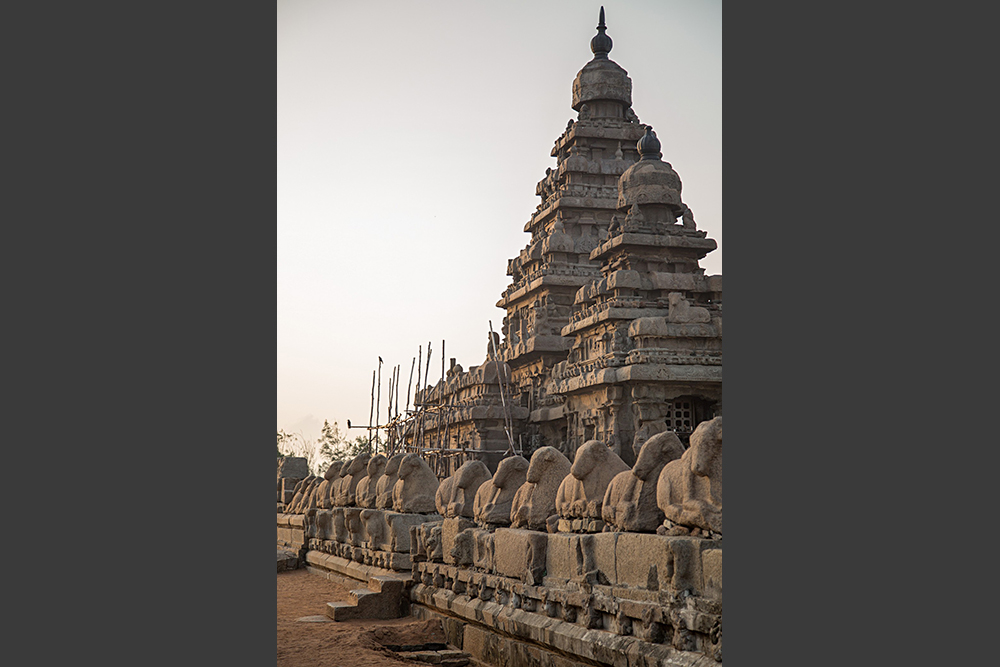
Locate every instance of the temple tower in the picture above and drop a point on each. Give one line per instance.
(577, 201)
(647, 333)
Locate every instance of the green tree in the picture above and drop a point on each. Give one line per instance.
(333, 445)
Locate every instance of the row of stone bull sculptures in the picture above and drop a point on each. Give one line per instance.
(670, 489)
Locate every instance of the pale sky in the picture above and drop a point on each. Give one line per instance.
(410, 139)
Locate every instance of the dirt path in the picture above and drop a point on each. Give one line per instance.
(342, 644)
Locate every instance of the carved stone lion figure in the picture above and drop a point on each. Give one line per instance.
(630, 501)
(689, 490)
(535, 500)
(594, 466)
(414, 491)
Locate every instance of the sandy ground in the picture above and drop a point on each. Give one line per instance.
(341, 644)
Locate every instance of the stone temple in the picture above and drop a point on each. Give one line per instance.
(612, 330)
(560, 504)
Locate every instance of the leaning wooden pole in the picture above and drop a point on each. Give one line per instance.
(378, 402)
(507, 421)
(427, 374)
(371, 412)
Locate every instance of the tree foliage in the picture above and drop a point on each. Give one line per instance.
(332, 445)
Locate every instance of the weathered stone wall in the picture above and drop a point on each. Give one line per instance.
(553, 597)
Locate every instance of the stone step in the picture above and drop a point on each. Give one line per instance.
(361, 596)
(384, 603)
(342, 611)
(386, 584)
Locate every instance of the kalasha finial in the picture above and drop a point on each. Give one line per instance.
(649, 145)
(601, 43)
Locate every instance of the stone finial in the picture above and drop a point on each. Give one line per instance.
(601, 44)
(649, 145)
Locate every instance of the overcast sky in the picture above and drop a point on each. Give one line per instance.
(410, 139)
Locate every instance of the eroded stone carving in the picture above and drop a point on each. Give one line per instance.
(645, 432)
(324, 499)
(468, 478)
(383, 489)
(414, 491)
(689, 490)
(630, 501)
(499, 491)
(483, 495)
(365, 492)
(443, 495)
(581, 494)
(302, 491)
(347, 490)
(681, 312)
(535, 500)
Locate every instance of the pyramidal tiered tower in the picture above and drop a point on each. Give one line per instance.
(578, 200)
(647, 334)
(612, 331)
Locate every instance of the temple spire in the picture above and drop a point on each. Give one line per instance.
(601, 43)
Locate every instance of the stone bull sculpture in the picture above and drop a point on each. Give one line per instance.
(630, 501)
(689, 490)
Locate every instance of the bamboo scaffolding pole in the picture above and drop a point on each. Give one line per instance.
(508, 421)
(371, 413)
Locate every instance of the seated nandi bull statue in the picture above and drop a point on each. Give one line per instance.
(468, 478)
(689, 490)
(347, 490)
(324, 495)
(383, 490)
(535, 500)
(302, 491)
(681, 312)
(443, 495)
(415, 489)
(497, 494)
(630, 501)
(365, 493)
(581, 494)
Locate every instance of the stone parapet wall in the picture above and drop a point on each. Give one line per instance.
(563, 598)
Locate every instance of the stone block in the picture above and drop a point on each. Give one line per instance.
(399, 528)
(355, 528)
(483, 550)
(324, 525)
(450, 528)
(644, 560)
(711, 572)
(485, 646)
(339, 522)
(558, 562)
(520, 554)
(376, 529)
